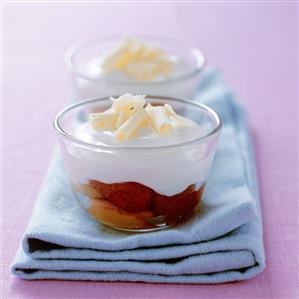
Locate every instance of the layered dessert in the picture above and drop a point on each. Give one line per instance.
(140, 64)
(142, 174)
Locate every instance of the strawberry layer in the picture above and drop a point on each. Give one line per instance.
(132, 205)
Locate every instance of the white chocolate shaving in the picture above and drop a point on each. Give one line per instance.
(105, 120)
(138, 60)
(128, 102)
(122, 117)
(178, 120)
(116, 58)
(160, 119)
(169, 110)
(132, 125)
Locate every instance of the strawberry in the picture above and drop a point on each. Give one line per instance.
(103, 189)
(106, 212)
(129, 196)
(177, 206)
(132, 197)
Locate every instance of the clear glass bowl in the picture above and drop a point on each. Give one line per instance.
(115, 184)
(86, 85)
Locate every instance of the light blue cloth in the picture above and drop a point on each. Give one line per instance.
(223, 243)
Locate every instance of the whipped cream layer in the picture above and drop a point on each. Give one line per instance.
(147, 137)
(166, 171)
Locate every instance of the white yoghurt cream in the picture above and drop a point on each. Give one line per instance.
(167, 171)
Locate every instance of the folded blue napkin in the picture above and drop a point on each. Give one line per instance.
(222, 242)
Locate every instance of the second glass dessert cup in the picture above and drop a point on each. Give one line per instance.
(87, 85)
(138, 189)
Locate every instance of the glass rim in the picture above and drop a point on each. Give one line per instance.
(79, 46)
(63, 133)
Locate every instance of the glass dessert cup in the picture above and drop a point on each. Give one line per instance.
(138, 189)
(87, 85)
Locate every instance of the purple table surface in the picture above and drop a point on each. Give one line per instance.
(255, 44)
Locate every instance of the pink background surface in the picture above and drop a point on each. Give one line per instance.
(255, 44)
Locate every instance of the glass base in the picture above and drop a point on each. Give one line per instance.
(141, 230)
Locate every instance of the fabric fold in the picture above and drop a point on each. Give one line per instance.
(221, 242)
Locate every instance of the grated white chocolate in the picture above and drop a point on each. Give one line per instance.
(128, 115)
(138, 60)
(105, 121)
(160, 118)
(131, 127)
